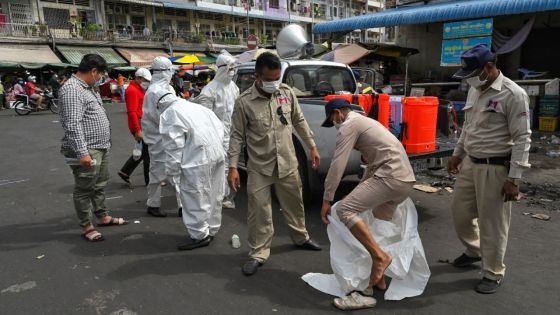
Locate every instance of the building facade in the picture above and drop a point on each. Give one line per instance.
(221, 21)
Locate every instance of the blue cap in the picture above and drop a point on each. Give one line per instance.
(472, 60)
(333, 104)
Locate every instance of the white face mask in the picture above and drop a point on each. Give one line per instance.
(476, 82)
(145, 85)
(337, 125)
(270, 86)
(231, 74)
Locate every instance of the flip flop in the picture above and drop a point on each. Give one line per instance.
(114, 221)
(93, 236)
(354, 301)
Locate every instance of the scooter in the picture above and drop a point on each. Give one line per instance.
(24, 105)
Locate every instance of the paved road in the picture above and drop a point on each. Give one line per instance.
(46, 268)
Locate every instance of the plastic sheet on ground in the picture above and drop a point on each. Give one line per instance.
(351, 263)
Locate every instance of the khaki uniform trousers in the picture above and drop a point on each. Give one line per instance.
(481, 216)
(259, 214)
(380, 195)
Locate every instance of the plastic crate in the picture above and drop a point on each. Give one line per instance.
(548, 124)
(549, 108)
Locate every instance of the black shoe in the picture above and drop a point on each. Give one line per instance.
(250, 267)
(156, 212)
(464, 261)
(488, 286)
(124, 177)
(195, 243)
(310, 245)
(180, 212)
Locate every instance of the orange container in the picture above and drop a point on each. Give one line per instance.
(419, 122)
(367, 102)
(384, 109)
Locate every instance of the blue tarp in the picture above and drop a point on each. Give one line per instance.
(430, 13)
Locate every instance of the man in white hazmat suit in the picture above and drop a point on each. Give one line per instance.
(162, 72)
(193, 139)
(219, 96)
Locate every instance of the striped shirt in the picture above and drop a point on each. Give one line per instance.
(83, 118)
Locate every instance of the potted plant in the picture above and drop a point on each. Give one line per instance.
(43, 29)
(263, 39)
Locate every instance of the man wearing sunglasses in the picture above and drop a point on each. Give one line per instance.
(263, 119)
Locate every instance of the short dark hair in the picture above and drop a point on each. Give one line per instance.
(92, 61)
(267, 60)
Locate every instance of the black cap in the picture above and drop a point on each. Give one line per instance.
(333, 104)
(472, 60)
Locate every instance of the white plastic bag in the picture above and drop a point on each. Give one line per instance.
(137, 151)
(351, 263)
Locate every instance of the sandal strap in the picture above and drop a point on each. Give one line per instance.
(92, 235)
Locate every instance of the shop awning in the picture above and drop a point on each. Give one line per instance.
(439, 12)
(347, 54)
(19, 54)
(74, 54)
(140, 57)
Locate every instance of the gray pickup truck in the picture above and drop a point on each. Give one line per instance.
(311, 80)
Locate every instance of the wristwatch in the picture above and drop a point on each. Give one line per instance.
(515, 181)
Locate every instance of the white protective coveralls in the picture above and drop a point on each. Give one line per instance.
(351, 263)
(163, 71)
(193, 139)
(219, 96)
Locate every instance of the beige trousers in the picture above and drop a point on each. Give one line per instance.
(380, 195)
(259, 214)
(481, 216)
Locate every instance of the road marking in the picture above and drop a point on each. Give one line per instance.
(8, 182)
(17, 288)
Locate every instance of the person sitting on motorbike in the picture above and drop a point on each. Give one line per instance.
(33, 92)
(18, 87)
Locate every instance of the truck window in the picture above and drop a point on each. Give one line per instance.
(245, 79)
(318, 80)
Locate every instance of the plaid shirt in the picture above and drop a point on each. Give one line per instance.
(83, 118)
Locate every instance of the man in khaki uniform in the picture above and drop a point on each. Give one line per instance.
(387, 182)
(263, 118)
(492, 152)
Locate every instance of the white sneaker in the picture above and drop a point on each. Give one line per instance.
(354, 301)
(228, 204)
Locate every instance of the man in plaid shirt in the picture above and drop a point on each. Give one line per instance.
(87, 139)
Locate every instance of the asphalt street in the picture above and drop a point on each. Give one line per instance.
(47, 268)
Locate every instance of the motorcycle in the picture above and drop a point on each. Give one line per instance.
(23, 105)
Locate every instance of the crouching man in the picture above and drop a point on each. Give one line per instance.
(193, 139)
(387, 182)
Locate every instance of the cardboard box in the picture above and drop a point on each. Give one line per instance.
(552, 87)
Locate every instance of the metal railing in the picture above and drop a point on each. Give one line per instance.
(94, 34)
(24, 30)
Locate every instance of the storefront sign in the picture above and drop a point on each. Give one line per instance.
(474, 28)
(451, 49)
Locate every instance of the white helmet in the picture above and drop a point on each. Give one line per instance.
(144, 73)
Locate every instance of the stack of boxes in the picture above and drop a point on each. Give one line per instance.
(549, 108)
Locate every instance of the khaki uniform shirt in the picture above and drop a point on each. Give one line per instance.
(383, 153)
(255, 121)
(497, 125)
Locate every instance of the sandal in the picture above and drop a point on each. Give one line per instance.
(354, 301)
(114, 221)
(93, 236)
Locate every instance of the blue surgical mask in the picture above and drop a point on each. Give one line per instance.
(99, 82)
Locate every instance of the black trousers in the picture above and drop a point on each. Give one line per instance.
(131, 164)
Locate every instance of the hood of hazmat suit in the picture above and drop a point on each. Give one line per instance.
(220, 94)
(193, 139)
(163, 70)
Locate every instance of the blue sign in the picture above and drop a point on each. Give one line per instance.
(474, 28)
(451, 49)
